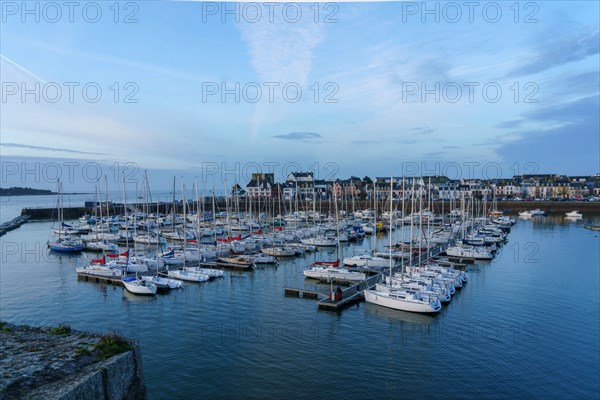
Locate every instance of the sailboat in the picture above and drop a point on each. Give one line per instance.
(138, 286)
(95, 243)
(63, 244)
(160, 281)
(98, 267)
(188, 275)
(403, 299)
(331, 270)
(132, 284)
(573, 214)
(367, 260)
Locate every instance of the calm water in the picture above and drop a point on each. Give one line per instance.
(527, 325)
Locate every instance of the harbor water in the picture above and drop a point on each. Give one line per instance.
(526, 325)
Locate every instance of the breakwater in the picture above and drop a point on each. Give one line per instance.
(13, 224)
(282, 207)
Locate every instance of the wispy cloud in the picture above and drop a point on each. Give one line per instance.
(561, 51)
(299, 136)
(423, 130)
(282, 51)
(570, 147)
(366, 141)
(515, 123)
(407, 141)
(55, 149)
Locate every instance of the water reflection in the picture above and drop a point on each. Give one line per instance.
(554, 221)
(137, 299)
(397, 316)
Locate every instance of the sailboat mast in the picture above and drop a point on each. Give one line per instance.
(402, 226)
(374, 216)
(412, 220)
(99, 201)
(390, 233)
(214, 216)
(157, 247)
(197, 225)
(126, 222)
(420, 216)
(337, 225)
(107, 209)
(60, 202)
(184, 200)
(174, 208)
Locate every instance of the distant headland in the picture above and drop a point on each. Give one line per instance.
(24, 191)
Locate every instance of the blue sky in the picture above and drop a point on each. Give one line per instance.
(373, 59)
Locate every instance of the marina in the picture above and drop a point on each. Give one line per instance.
(276, 309)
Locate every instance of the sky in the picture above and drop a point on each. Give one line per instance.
(221, 90)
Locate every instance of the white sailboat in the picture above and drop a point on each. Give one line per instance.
(574, 215)
(133, 284)
(138, 286)
(98, 267)
(366, 260)
(403, 299)
(331, 270)
(63, 244)
(101, 245)
(160, 281)
(190, 276)
(210, 272)
(471, 252)
(279, 251)
(320, 241)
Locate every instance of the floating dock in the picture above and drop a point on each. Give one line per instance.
(355, 293)
(350, 296)
(305, 294)
(448, 263)
(225, 265)
(116, 281)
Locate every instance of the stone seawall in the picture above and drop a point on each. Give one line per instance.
(57, 363)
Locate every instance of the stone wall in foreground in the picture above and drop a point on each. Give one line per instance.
(60, 363)
(119, 377)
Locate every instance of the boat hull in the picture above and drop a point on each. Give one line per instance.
(385, 300)
(139, 287)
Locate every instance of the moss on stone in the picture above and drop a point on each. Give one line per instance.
(111, 345)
